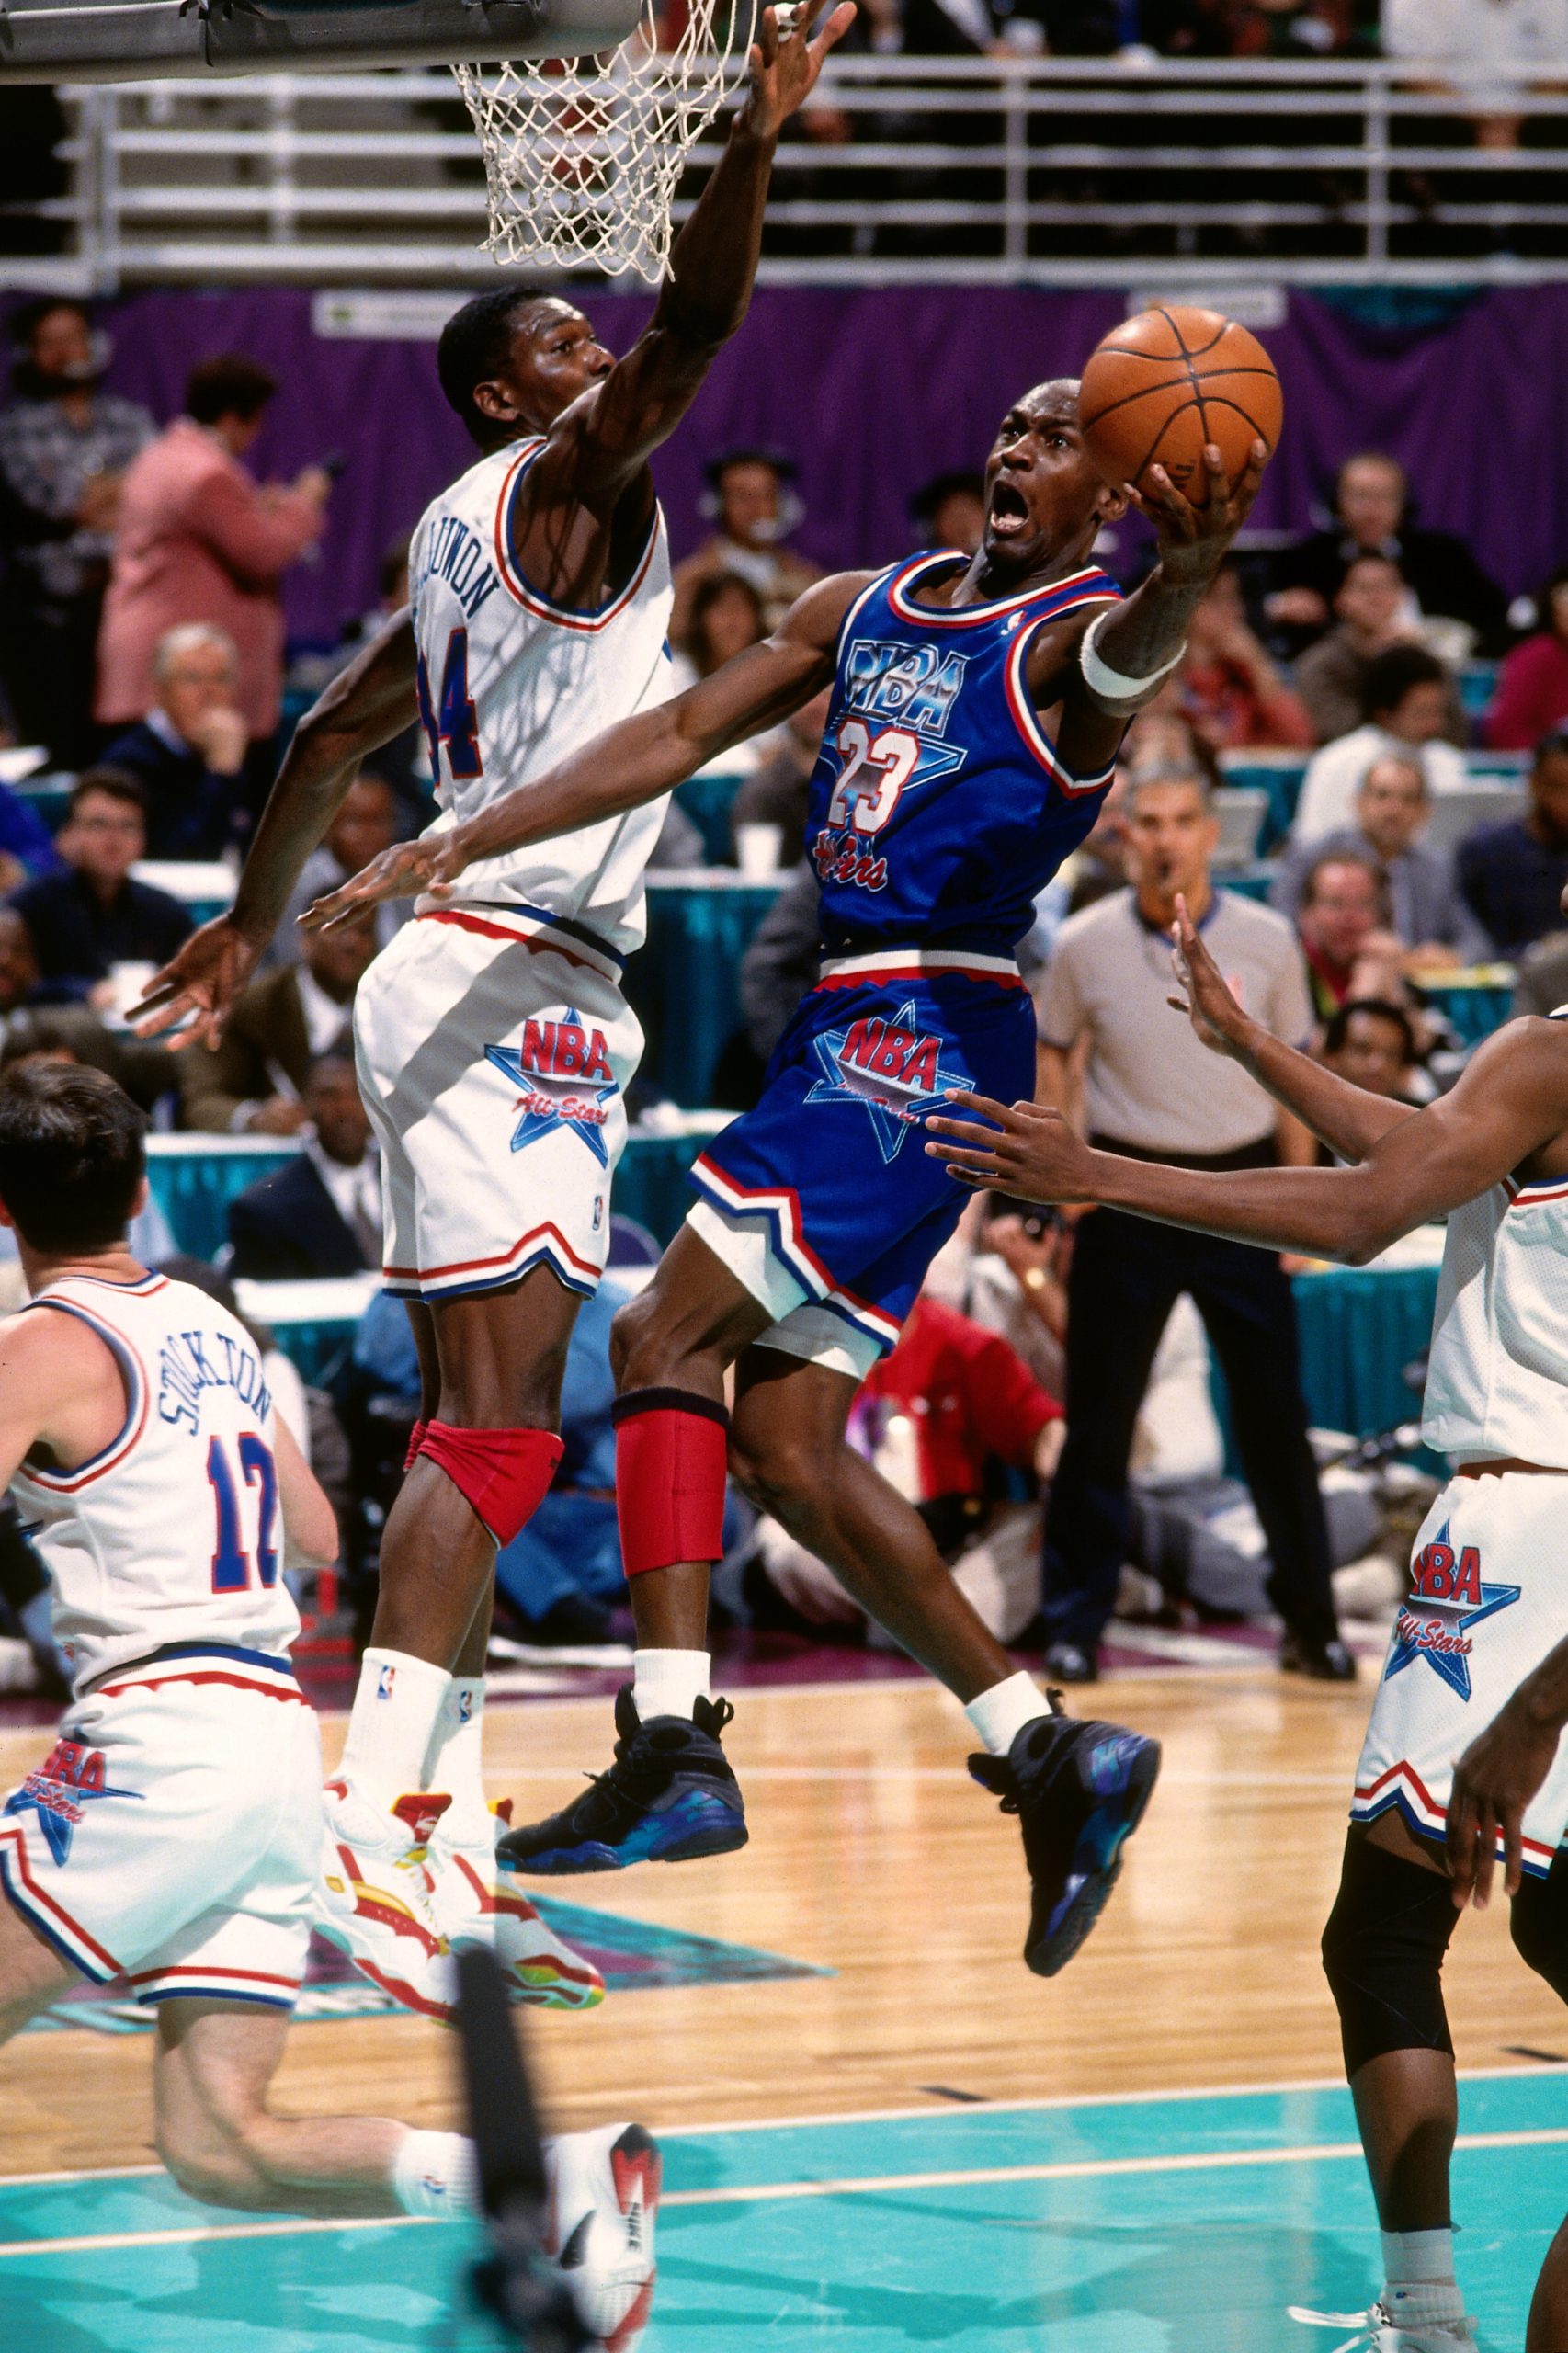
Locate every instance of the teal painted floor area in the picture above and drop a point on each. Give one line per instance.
(1145, 2226)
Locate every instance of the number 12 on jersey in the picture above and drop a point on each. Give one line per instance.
(453, 720)
(230, 1562)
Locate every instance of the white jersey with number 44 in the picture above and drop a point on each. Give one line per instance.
(510, 683)
(172, 1532)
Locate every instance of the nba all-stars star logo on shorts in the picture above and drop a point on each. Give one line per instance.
(494, 1049)
(1487, 1601)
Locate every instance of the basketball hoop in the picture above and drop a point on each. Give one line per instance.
(583, 155)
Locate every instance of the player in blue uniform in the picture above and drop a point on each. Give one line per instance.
(976, 712)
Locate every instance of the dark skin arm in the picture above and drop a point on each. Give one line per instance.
(1496, 1777)
(630, 764)
(1346, 1119)
(363, 707)
(587, 499)
(1508, 1113)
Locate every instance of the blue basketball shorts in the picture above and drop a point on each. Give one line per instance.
(822, 1200)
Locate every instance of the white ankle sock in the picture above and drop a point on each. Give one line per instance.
(669, 1683)
(436, 2173)
(1000, 1714)
(395, 1707)
(1419, 2270)
(455, 1761)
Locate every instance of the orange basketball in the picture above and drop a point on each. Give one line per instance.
(1161, 385)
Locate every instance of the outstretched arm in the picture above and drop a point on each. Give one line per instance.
(1138, 642)
(1346, 1119)
(1511, 1102)
(630, 764)
(363, 707)
(607, 437)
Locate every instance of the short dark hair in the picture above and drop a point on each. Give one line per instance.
(1338, 1025)
(1370, 555)
(1553, 745)
(779, 463)
(27, 319)
(1328, 858)
(475, 345)
(72, 1156)
(115, 784)
(230, 384)
(958, 482)
(1392, 674)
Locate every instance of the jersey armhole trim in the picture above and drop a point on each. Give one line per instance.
(589, 619)
(1026, 719)
(137, 1392)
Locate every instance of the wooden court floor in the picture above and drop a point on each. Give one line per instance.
(875, 1860)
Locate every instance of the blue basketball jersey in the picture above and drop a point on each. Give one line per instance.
(939, 806)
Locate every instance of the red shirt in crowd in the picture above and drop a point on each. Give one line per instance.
(969, 1395)
(1532, 694)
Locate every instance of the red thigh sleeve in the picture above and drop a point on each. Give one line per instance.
(504, 1474)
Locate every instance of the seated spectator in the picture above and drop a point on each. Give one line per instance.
(1161, 736)
(1542, 984)
(1342, 927)
(19, 966)
(1231, 690)
(1532, 689)
(1370, 1042)
(320, 1214)
(365, 825)
(1512, 875)
(27, 846)
(949, 511)
(783, 961)
(72, 1033)
(1371, 613)
(1371, 503)
(1406, 709)
(252, 1082)
(91, 917)
(190, 751)
(726, 616)
(1424, 906)
(752, 496)
(776, 793)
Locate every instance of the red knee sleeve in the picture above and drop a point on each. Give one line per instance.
(503, 1473)
(670, 1451)
(416, 1440)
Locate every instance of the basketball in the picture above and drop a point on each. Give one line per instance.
(1161, 385)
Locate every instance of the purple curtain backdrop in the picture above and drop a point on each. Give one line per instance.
(874, 390)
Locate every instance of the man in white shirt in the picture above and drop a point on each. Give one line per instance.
(1407, 711)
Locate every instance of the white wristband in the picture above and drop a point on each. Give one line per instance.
(1114, 685)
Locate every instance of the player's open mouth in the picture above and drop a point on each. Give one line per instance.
(1009, 510)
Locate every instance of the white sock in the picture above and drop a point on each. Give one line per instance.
(436, 2173)
(1000, 1714)
(1419, 2270)
(395, 1709)
(669, 1683)
(455, 1761)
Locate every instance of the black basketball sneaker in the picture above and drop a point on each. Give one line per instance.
(1079, 1791)
(668, 1798)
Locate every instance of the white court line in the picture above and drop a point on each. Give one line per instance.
(776, 2192)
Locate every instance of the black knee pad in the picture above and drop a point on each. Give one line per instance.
(1382, 1954)
(1540, 1926)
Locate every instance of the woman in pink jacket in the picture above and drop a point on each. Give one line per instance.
(198, 539)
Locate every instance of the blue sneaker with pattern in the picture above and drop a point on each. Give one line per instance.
(669, 1796)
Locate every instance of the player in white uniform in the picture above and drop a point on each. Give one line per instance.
(494, 1045)
(1488, 1604)
(173, 1833)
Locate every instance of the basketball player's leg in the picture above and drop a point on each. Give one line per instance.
(32, 1974)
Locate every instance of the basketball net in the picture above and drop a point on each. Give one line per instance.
(583, 155)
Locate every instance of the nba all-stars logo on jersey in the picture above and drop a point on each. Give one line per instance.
(67, 1781)
(564, 1072)
(1449, 1595)
(894, 1068)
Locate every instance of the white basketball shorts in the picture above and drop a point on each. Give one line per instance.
(1488, 1599)
(173, 1835)
(493, 1050)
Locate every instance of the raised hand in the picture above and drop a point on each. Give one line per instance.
(406, 870)
(1027, 1151)
(1194, 540)
(198, 984)
(1217, 1020)
(786, 59)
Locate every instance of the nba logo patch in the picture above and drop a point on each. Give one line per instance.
(384, 1682)
(598, 1212)
(465, 1707)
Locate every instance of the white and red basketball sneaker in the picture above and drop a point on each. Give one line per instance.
(474, 1904)
(604, 2196)
(374, 1896)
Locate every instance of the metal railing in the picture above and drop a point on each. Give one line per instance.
(1049, 170)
